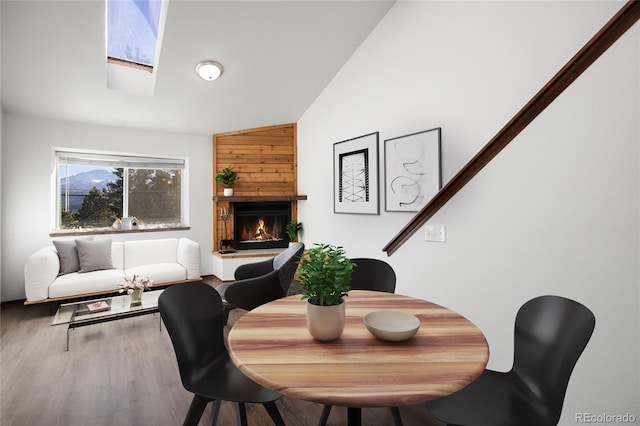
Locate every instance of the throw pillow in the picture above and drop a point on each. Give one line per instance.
(94, 255)
(68, 255)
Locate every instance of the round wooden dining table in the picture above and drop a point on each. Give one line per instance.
(272, 346)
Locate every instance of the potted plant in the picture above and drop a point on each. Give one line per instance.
(293, 228)
(227, 177)
(324, 273)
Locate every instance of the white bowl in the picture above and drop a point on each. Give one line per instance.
(392, 326)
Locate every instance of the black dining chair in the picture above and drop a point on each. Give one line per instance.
(193, 316)
(372, 274)
(376, 275)
(261, 282)
(551, 333)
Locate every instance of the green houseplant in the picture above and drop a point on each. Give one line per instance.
(292, 229)
(324, 273)
(227, 177)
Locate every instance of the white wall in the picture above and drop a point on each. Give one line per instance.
(557, 212)
(26, 176)
(1, 118)
(1, 149)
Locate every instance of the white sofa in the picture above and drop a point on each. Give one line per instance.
(165, 261)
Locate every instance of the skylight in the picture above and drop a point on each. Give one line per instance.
(133, 35)
(132, 30)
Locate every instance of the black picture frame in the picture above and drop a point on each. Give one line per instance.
(356, 175)
(412, 170)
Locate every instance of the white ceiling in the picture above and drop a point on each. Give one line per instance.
(277, 58)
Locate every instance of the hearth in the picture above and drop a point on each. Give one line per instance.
(260, 225)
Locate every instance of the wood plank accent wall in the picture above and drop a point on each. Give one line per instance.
(264, 158)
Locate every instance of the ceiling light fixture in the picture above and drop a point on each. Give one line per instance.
(209, 70)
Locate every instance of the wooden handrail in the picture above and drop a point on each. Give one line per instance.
(612, 31)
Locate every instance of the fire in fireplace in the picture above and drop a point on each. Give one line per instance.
(261, 225)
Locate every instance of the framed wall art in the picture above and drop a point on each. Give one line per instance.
(355, 170)
(412, 170)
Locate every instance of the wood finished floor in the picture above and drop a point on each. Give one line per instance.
(120, 373)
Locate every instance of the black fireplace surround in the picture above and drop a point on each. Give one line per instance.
(261, 225)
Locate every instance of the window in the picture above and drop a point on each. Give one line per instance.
(95, 189)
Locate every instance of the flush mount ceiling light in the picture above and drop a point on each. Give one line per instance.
(209, 70)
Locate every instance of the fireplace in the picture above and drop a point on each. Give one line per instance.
(259, 225)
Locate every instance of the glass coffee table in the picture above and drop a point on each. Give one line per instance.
(96, 311)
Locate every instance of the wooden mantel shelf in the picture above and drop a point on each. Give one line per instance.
(250, 198)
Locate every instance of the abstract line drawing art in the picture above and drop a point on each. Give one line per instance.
(355, 164)
(412, 170)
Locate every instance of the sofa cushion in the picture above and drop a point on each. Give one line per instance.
(159, 272)
(94, 255)
(146, 252)
(117, 254)
(76, 283)
(68, 255)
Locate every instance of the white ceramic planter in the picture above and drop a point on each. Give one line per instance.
(228, 192)
(325, 323)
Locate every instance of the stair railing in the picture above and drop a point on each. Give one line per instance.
(626, 17)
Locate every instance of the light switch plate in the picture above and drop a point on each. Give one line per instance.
(435, 233)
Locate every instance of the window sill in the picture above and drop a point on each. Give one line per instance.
(108, 231)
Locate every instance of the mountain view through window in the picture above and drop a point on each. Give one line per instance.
(92, 195)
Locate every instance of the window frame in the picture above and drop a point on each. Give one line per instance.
(126, 161)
